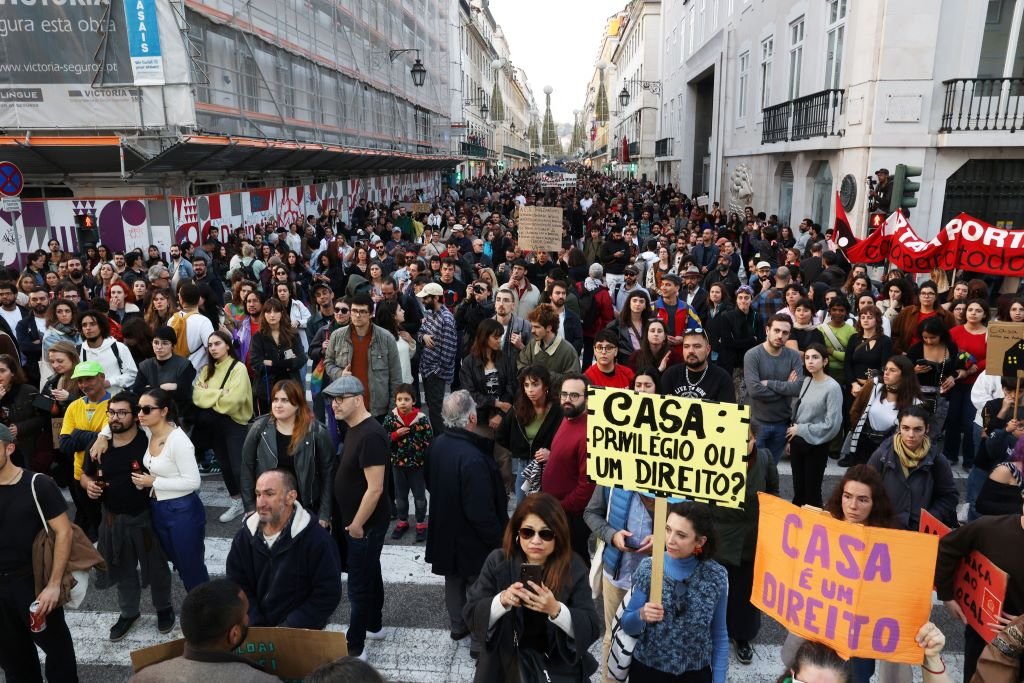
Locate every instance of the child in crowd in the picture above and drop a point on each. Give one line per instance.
(410, 437)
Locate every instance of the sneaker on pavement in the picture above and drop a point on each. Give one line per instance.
(744, 651)
(421, 533)
(376, 635)
(121, 628)
(400, 530)
(361, 655)
(165, 620)
(232, 512)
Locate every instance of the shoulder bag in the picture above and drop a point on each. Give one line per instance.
(597, 564)
(620, 654)
(84, 556)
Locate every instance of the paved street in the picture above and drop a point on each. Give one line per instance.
(417, 648)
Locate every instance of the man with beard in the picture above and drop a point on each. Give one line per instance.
(203, 276)
(286, 563)
(214, 621)
(565, 470)
(773, 374)
(179, 267)
(570, 324)
(30, 331)
(440, 343)
(723, 274)
(695, 377)
(126, 534)
(77, 276)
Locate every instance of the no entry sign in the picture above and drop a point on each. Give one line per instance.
(11, 180)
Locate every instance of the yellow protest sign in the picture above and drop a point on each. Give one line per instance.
(667, 445)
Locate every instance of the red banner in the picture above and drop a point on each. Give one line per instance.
(980, 586)
(964, 243)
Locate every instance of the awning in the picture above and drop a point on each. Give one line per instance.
(204, 153)
(45, 155)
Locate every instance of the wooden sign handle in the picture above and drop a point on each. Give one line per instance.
(1016, 398)
(658, 549)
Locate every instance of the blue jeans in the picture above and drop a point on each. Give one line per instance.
(975, 480)
(180, 524)
(365, 586)
(517, 471)
(772, 435)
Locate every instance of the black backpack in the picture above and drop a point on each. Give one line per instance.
(588, 309)
(247, 270)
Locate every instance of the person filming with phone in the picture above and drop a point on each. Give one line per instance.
(531, 606)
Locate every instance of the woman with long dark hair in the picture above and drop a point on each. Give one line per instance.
(277, 353)
(691, 608)
(654, 349)
(971, 340)
(223, 397)
(489, 375)
(61, 390)
(552, 620)
(873, 414)
(247, 329)
(528, 429)
(630, 323)
(61, 325)
(390, 315)
(161, 308)
(17, 410)
(290, 438)
(296, 314)
(937, 364)
(179, 518)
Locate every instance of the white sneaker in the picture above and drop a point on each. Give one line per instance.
(375, 635)
(232, 512)
(362, 655)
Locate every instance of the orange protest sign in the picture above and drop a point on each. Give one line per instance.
(980, 586)
(857, 589)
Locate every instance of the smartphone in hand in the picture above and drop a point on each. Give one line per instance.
(531, 572)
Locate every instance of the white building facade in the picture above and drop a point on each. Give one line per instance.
(780, 105)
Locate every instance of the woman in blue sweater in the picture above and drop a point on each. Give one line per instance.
(683, 639)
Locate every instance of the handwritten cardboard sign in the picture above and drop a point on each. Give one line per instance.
(856, 588)
(980, 586)
(291, 654)
(540, 228)
(668, 445)
(1004, 354)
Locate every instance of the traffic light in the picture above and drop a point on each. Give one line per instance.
(876, 221)
(904, 189)
(632, 169)
(85, 225)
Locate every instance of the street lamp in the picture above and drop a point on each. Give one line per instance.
(418, 71)
(484, 110)
(624, 97)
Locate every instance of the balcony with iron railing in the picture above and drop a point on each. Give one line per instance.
(470, 149)
(983, 104)
(616, 152)
(663, 147)
(634, 149)
(811, 116)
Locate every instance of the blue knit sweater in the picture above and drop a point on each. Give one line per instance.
(692, 639)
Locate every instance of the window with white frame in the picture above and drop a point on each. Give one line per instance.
(835, 34)
(714, 14)
(682, 40)
(741, 85)
(796, 56)
(693, 16)
(767, 53)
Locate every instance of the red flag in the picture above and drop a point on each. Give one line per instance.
(625, 150)
(842, 235)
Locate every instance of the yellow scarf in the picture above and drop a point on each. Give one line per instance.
(910, 459)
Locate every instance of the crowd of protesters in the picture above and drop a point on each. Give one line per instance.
(329, 368)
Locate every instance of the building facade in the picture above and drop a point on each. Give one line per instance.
(781, 105)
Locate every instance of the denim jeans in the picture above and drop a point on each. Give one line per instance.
(517, 471)
(772, 435)
(180, 524)
(433, 388)
(975, 480)
(365, 586)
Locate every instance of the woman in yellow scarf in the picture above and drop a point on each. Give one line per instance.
(914, 473)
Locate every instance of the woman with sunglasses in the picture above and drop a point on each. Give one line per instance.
(684, 638)
(179, 518)
(518, 616)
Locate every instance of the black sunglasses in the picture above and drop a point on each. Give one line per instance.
(526, 533)
(342, 309)
(146, 410)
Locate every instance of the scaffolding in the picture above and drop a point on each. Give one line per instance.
(319, 71)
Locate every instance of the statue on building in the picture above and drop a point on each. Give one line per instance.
(741, 189)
